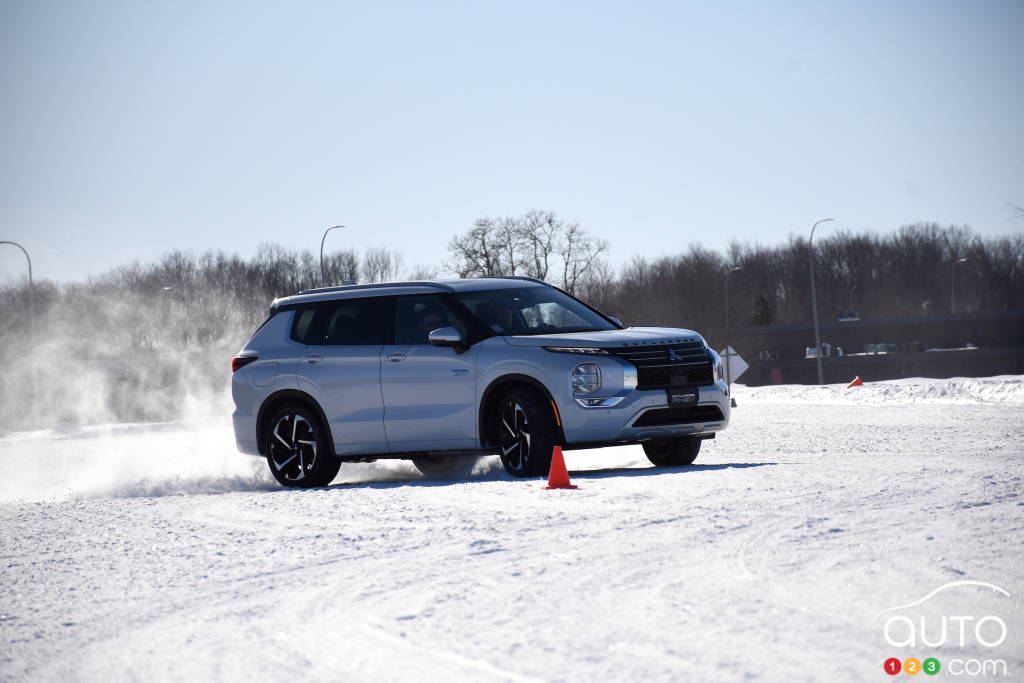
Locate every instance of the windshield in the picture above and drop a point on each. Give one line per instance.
(531, 310)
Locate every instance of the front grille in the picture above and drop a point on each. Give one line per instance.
(663, 366)
(678, 415)
(664, 378)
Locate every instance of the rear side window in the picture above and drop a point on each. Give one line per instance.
(354, 322)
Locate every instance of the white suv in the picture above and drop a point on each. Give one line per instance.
(441, 371)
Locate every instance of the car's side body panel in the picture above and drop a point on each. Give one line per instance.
(429, 397)
(345, 381)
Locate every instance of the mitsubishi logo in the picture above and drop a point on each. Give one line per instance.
(672, 355)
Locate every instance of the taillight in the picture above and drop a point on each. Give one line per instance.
(239, 362)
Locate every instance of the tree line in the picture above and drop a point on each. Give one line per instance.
(207, 304)
(917, 270)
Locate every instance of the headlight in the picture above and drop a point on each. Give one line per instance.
(577, 349)
(716, 364)
(586, 378)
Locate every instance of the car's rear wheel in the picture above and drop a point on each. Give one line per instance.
(297, 450)
(672, 452)
(445, 466)
(524, 432)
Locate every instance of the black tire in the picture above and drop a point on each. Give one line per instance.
(298, 454)
(672, 452)
(445, 466)
(523, 428)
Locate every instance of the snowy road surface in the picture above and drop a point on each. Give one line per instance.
(157, 553)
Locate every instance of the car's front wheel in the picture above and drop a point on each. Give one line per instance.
(525, 433)
(672, 452)
(297, 450)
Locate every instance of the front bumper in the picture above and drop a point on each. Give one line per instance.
(618, 422)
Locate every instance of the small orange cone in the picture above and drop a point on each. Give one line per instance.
(857, 382)
(558, 478)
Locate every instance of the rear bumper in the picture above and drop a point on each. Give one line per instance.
(245, 433)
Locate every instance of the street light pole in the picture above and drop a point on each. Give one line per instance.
(728, 370)
(31, 324)
(952, 285)
(323, 275)
(31, 293)
(814, 302)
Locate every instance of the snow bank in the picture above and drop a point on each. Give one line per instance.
(1004, 389)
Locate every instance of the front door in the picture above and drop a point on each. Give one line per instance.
(429, 391)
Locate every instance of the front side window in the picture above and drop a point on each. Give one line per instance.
(355, 322)
(531, 310)
(418, 315)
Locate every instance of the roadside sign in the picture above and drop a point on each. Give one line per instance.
(732, 364)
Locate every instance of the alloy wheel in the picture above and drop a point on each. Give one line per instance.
(293, 447)
(514, 438)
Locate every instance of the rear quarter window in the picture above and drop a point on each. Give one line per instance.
(303, 325)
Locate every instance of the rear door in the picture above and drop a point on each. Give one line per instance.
(429, 391)
(342, 371)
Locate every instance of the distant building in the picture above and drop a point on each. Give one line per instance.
(968, 345)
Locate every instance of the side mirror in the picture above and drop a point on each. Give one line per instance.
(616, 321)
(446, 336)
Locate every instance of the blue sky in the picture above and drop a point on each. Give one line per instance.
(131, 129)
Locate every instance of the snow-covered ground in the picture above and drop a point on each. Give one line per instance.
(1004, 390)
(158, 553)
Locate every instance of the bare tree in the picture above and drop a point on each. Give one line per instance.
(538, 235)
(422, 272)
(579, 250)
(598, 285)
(509, 234)
(342, 266)
(381, 264)
(533, 244)
(478, 253)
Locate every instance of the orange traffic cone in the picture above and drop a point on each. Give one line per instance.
(558, 478)
(857, 382)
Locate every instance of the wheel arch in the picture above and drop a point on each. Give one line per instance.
(501, 384)
(276, 401)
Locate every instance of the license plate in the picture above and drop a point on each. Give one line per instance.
(682, 396)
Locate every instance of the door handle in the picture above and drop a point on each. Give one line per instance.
(313, 358)
(395, 357)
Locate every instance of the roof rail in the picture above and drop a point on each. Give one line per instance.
(513, 277)
(378, 285)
